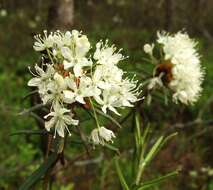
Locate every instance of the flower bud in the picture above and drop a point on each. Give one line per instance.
(148, 48)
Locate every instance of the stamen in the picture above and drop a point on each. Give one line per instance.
(54, 133)
(32, 72)
(68, 130)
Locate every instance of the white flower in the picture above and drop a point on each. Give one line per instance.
(78, 90)
(109, 100)
(102, 135)
(106, 55)
(179, 48)
(186, 83)
(77, 63)
(72, 46)
(41, 78)
(66, 39)
(106, 76)
(187, 74)
(43, 43)
(129, 92)
(81, 42)
(148, 48)
(74, 54)
(61, 39)
(54, 90)
(60, 118)
(119, 95)
(116, 91)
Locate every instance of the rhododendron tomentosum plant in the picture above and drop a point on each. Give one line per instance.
(178, 66)
(72, 74)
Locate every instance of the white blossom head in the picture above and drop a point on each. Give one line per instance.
(179, 68)
(75, 76)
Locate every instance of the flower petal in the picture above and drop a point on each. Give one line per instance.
(34, 82)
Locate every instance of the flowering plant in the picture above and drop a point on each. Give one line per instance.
(74, 76)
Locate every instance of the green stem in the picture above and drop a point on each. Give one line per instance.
(153, 60)
(94, 112)
(142, 165)
(49, 55)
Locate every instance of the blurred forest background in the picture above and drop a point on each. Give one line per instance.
(129, 24)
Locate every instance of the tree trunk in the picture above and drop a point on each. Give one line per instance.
(168, 14)
(61, 14)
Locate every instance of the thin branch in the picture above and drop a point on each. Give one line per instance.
(83, 138)
(90, 161)
(191, 123)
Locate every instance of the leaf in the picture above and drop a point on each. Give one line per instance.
(126, 116)
(168, 138)
(157, 146)
(120, 175)
(113, 148)
(37, 118)
(29, 132)
(153, 151)
(29, 94)
(27, 111)
(108, 117)
(36, 176)
(137, 131)
(158, 180)
(145, 135)
(145, 161)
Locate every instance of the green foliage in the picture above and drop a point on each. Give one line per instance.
(36, 176)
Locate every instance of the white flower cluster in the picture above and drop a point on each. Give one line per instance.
(73, 76)
(180, 69)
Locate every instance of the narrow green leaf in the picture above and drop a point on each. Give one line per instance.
(37, 118)
(29, 94)
(120, 175)
(27, 111)
(153, 150)
(158, 145)
(158, 180)
(137, 131)
(108, 117)
(29, 132)
(144, 161)
(150, 155)
(36, 176)
(111, 147)
(168, 138)
(126, 117)
(145, 135)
